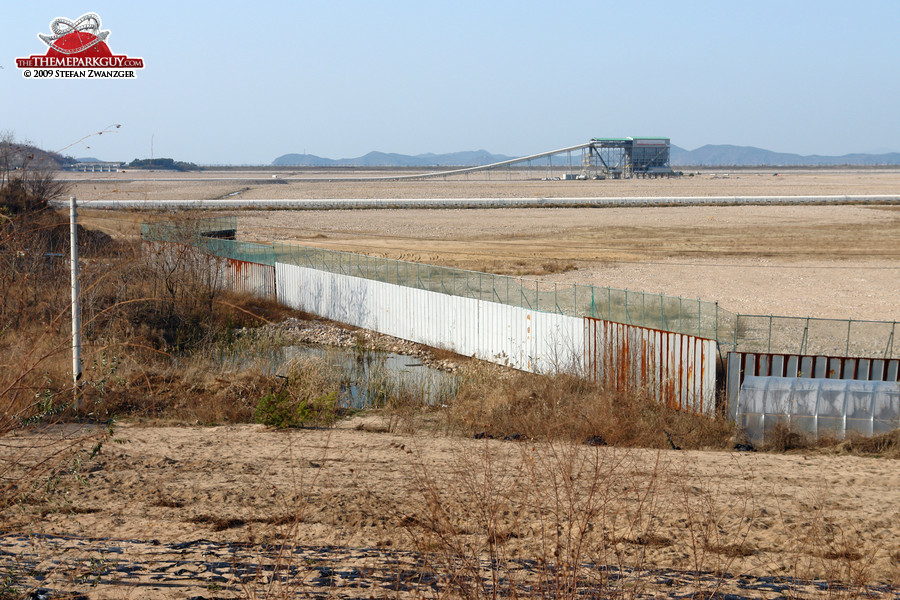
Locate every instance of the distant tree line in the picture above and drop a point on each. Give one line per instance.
(164, 164)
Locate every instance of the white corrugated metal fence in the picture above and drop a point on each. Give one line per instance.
(524, 339)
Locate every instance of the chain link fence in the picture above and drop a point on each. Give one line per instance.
(812, 336)
(657, 311)
(733, 332)
(190, 231)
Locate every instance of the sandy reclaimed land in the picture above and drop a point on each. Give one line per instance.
(835, 262)
(169, 512)
(822, 261)
(336, 183)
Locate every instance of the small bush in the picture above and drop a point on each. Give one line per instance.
(280, 410)
(308, 396)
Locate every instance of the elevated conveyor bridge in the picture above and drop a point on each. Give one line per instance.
(600, 158)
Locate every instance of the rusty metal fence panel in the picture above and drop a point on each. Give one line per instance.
(676, 369)
(251, 278)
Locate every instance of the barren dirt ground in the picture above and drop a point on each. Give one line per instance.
(169, 512)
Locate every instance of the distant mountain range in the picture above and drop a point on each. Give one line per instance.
(382, 159)
(719, 155)
(725, 155)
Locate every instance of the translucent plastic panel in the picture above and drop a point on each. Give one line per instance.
(818, 405)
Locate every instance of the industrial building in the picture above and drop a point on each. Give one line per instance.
(623, 158)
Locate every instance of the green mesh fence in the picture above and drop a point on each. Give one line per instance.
(190, 231)
(743, 333)
(810, 336)
(212, 235)
(669, 313)
(245, 251)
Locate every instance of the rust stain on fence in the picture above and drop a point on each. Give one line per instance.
(676, 369)
(251, 278)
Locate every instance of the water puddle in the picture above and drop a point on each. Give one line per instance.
(368, 378)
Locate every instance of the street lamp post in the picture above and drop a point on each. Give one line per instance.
(76, 301)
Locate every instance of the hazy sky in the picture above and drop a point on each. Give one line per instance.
(242, 83)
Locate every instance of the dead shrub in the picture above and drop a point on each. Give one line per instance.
(886, 445)
(406, 410)
(782, 438)
(651, 540)
(556, 267)
(553, 506)
(731, 550)
(217, 523)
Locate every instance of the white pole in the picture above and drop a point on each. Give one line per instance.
(76, 307)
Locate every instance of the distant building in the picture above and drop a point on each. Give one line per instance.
(618, 158)
(95, 167)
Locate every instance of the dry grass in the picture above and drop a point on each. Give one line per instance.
(783, 438)
(575, 409)
(885, 445)
(516, 268)
(151, 330)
